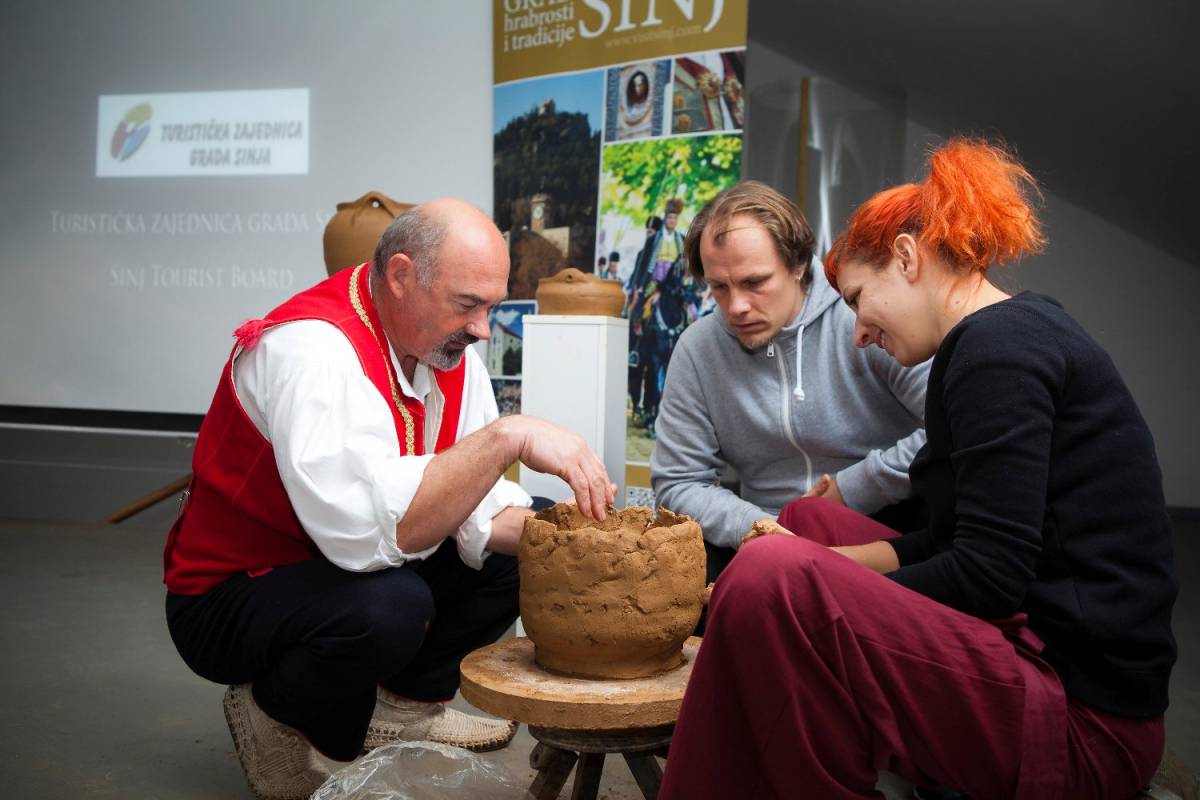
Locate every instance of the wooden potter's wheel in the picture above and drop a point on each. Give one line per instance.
(578, 718)
(502, 679)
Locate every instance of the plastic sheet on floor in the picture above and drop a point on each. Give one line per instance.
(420, 771)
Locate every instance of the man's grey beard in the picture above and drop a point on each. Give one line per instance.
(442, 358)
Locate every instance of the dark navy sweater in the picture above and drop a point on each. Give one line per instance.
(1045, 497)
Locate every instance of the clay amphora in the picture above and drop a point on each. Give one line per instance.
(611, 599)
(573, 292)
(353, 232)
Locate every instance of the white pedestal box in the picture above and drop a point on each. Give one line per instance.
(574, 373)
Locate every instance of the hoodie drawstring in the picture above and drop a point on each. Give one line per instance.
(798, 392)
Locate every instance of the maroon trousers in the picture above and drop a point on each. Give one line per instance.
(816, 673)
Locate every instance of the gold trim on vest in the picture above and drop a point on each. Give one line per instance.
(356, 301)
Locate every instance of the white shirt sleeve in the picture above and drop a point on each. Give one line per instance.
(335, 444)
(473, 535)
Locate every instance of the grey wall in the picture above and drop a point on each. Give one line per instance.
(87, 475)
(1140, 303)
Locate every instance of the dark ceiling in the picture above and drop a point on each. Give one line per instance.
(1101, 99)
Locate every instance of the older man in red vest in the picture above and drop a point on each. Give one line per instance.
(348, 536)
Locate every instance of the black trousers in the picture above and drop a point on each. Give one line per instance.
(907, 515)
(315, 639)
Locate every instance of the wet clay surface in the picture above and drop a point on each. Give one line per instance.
(611, 599)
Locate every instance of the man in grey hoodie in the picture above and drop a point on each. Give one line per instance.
(772, 385)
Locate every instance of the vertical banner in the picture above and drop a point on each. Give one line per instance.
(615, 122)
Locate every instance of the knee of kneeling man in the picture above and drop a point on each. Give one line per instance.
(405, 612)
(395, 640)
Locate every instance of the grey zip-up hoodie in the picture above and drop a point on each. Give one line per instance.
(807, 403)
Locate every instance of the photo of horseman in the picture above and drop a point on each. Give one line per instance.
(661, 299)
(649, 191)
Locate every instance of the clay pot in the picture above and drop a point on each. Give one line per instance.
(574, 292)
(352, 233)
(611, 599)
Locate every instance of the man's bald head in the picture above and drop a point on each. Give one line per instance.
(453, 212)
(422, 231)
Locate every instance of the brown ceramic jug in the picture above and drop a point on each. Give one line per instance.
(574, 292)
(610, 599)
(353, 232)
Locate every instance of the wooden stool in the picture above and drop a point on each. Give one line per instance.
(577, 721)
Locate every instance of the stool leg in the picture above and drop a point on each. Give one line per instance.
(553, 766)
(587, 776)
(646, 772)
(538, 755)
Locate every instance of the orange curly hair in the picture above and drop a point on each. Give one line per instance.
(974, 209)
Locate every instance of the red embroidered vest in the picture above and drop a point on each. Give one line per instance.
(238, 517)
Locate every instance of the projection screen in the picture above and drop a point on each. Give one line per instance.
(169, 168)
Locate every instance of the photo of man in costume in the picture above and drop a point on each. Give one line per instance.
(658, 312)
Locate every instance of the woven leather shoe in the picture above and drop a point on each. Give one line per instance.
(279, 763)
(398, 719)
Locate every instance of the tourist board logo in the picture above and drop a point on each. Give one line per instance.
(245, 132)
(131, 131)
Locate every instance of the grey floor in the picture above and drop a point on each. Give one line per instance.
(97, 704)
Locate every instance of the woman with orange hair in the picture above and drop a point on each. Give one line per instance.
(1020, 646)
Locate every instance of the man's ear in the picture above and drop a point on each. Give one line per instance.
(909, 254)
(399, 274)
